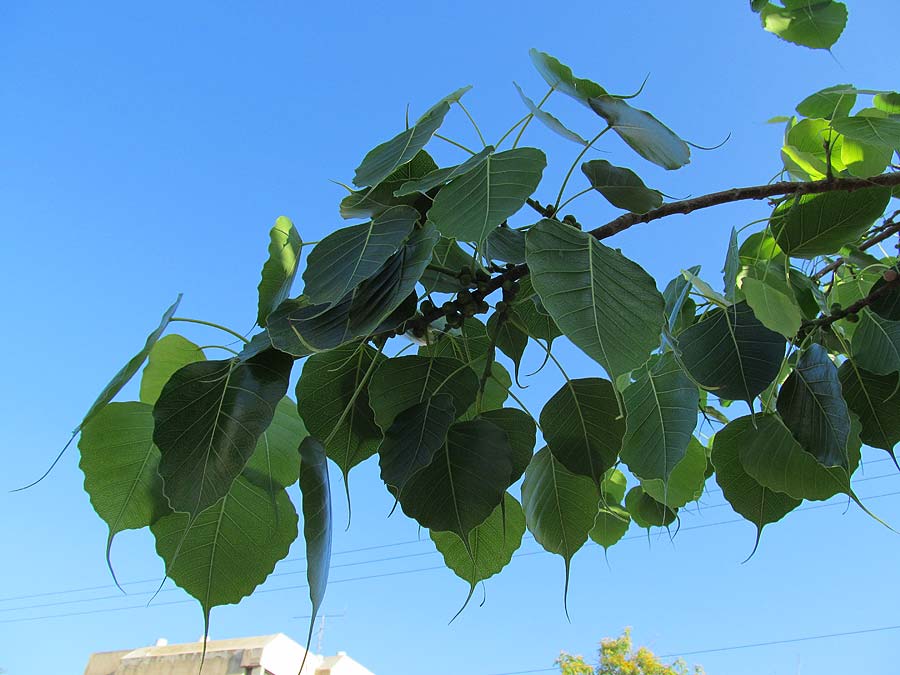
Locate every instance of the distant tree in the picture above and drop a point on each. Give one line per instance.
(618, 657)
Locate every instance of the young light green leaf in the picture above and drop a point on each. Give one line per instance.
(275, 463)
(816, 25)
(584, 285)
(882, 132)
(686, 481)
(610, 526)
(170, 354)
(645, 134)
(812, 407)
(477, 202)
(887, 101)
(583, 428)
(549, 120)
(660, 416)
(279, 269)
(208, 420)
(704, 288)
(829, 103)
(623, 188)
(560, 77)
(775, 309)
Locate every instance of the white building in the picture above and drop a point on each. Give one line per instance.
(265, 655)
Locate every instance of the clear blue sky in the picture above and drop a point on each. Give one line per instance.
(145, 150)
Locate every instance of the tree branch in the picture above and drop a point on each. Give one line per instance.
(889, 228)
(892, 282)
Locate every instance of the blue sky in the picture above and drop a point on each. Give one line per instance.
(146, 151)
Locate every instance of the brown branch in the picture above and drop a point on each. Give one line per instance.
(741, 194)
(885, 232)
(892, 282)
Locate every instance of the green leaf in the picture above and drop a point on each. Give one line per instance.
(758, 504)
(317, 522)
(521, 433)
(333, 400)
(208, 420)
(610, 526)
(732, 266)
(585, 285)
(275, 462)
(530, 315)
(509, 339)
(612, 487)
(704, 288)
(645, 134)
(582, 426)
(439, 177)
(760, 246)
(816, 25)
(414, 437)
(496, 389)
(887, 304)
(506, 244)
(372, 202)
(400, 383)
(384, 159)
(279, 269)
(623, 188)
(876, 400)
(819, 224)
(731, 353)
(679, 306)
(876, 343)
(230, 548)
(772, 457)
(812, 407)
(447, 253)
(475, 203)
(464, 483)
(829, 103)
(686, 481)
(347, 257)
(549, 120)
(120, 462)
(560, 77)
(646, 511)
(804, 151)
(120, 379)
(660, 416)
(776, 310)
(491, 544)
(560, 507)
(167, 356)
(863, 160)
(883, 132)
(887, 101)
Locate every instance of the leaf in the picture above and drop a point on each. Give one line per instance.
(560, 507)
(645, 134)
(704, 288)
(775, 309)
(559, 76)
(881, 132)
(863, 160)
(120, 462)
(347, 257)
(317, 522)
(829, 103)
(384, 159)
(520, 433)
(506, 244)
(464, 483)
(413, 438)
(772, 457)
(531, 316)
(372, 202)
(605, 303)
(732, 266)
(804, 152)
(120, 379)
(812, 407)
(678, 302)
(582, 427)
(230, 548)
(686, 481)
(167, 356)
(887, 304)
(208, 420)
(815, 25)
(447, 253)
(439, 177)
(819, 224)
(509, 339)
(496, 389)
(612, 487)
(549, 120)
(275, 463)
(887, 101)
(646, 511)
(400, 383)
(333, 400)
(876, 343)
(731, 353)
(475, 203)
(610, 526)
(491, 544)
(660, 416)
(876, 400)
(623, 188)
(280, 267)
(758, 504)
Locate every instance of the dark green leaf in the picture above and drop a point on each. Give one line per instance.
(208, 420)
(645, 134)
(676, 297)
(475, 203)
(811, 406)
(829, 103)
(509, 339)
(815, 225)
(732, 266)
(876, 400)
(887, 304)
(372, 202)
(559, 76)
(660, 416)
(317, 522)
(167, 356)
(731, 353)
(623, 188)
(520, 432)
(816, 25)
(549, 120)
(646, 511)
(583, 428)
(279, 269)
(876, 343)
(506, 244)
(440, 177)
(604, 303)
(447, 253)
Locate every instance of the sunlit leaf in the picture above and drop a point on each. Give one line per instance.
(167, 356)
(775, 309)
(280, 267)
(560, 77)
(275, 463)
(610, 526)
(816, 25)
(829, 103)
(881, 132)
(887, 101)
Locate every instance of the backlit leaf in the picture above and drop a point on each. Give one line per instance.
(686, 481)
(560, 77)
(816, 25)
(279, 269)
(167, 356)
(829, 103)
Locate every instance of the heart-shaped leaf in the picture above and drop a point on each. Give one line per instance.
(622, 187)
(829, 103)
(170, 354)
(876, 400)
(876, 343)
(559, 76)
(520, 432)
(816, 25)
